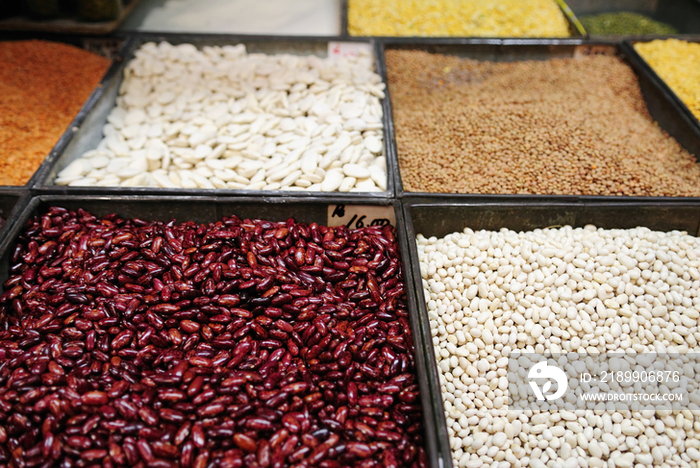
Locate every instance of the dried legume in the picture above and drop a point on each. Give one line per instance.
(222, 118)
(522, 18)
(624, 22)
(561, 126)
(582, 290)
(237, 343)
(678, 63)
(43, 85)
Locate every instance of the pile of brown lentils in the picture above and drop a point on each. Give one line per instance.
(563, 126)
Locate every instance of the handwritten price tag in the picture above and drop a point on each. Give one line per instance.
(586, 50)
(348, 49)
(359, 216)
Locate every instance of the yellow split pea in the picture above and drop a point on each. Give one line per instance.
(504, 18)
(678, 64)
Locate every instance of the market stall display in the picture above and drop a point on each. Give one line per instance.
(223, 118)
(274, 251)
(484, 266)
(271, 137)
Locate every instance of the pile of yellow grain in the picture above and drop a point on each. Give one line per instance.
(503, 18)
(678, 64)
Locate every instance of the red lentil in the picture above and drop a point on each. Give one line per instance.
(43, 85)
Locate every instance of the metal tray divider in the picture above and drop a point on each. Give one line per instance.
(392, 162)
(574, 24)
(344, 18)
(21, 198)
(431, 383)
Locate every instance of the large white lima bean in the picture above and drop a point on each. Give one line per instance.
(587, 290)
(222, 118)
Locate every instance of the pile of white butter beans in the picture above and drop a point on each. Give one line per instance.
(583, 290)
(223, 118)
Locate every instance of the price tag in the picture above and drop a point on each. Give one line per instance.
(348, 49)
(359, 216)
(586, 50)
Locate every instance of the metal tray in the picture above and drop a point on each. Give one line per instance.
(439, 219)
(684, 15)
(575, 27)
(209, 209)
(12, 202)
(90, 133)
(662, 107)
(68, 24)
(628, 46)
(109, 47)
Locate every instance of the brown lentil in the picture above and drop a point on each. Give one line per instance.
(237, 343)
(561, 126)
(43, 85)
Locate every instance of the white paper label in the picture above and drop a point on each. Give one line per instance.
(348, 49)
(359, 216)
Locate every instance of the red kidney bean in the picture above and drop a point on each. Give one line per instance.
(160, 344)
(165, 450)
(187, 455)
(201, 460)
(198, 436)
(245, 443)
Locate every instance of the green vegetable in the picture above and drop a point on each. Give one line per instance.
(99, 10)
(624, 23)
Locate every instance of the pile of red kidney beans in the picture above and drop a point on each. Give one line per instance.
(237, 343)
